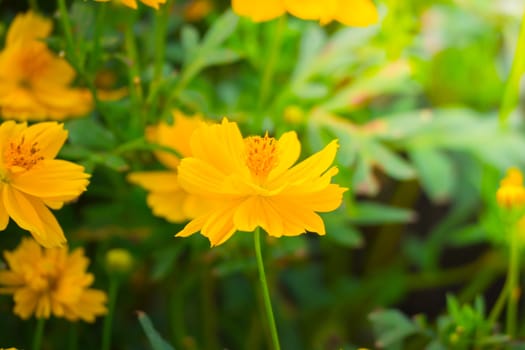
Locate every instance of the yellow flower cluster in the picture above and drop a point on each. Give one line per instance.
(34, 82)
(348, 12)
(51, 281)
(31, 179)
(511, 192)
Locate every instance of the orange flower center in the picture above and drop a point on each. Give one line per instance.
(22, 154)
(261, 155)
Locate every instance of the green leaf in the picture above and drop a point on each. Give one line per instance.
(222, 28)
(156, 341)
(390, 162)
(391, 327)
(88, 133)
(339, 230)
(371, 213)
(435, 173)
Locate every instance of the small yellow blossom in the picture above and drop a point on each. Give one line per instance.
(511, 192)
(166, 198)
(31, 179)
(34, 82)
(347, 12)
(133, 3)
(196, 10)
(47, 282)
(252, 183)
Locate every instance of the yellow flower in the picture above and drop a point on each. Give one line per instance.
(511, 192)
(133, 3)
(252, 183)
(166, 198)
(31, 180)
(119, 260)
(51, 281)
(34, 82)
(348, 12)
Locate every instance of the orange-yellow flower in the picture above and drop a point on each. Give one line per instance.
(51, 281)
(252, 183)
(511, 192)
(348, 12)
(133, 3)
(166, 198)
(31, 179)
(34, 82)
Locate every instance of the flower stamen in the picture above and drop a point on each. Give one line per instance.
(261, 155)
(21, 154)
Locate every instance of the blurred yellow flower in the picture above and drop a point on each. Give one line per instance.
(348, 12)
(34, 82)
(252, 183)
(511, 192)
(133, 3)
(119, 260)
(166, 198)
(196, 10)
(31, 180)
(51, 281)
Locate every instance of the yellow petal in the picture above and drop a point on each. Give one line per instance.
(130, 3)
(309, 168)
(32, 215)
(219, 224)
(258, 10)
(28, 27)
(50, 137)
(356, 12)
(311, 9)
(25, 302)
(193, 226)
(153, 3)
(4, 217)
(324, 200)
(259, 211)
(53, 179)
(297, 218)
(289, 150)
(168, 205)
(220, 145)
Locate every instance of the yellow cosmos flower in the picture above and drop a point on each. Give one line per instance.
(51, 281)
(31, 180)
(133, 3)
(34, 82)
(252, 183)
(348, 12)
(511, 192)
(166, 198)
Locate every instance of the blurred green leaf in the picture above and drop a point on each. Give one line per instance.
(373, 213)
(88, 133)
(156, 341)
(391, 327)
(435, 173)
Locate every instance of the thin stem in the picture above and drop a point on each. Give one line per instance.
(108, 321)
(66, 27)
(135, 83)
(498, 305)
(264, 288)
(511, 91)
(73, 336)
(39, 333)
(98, 30)
(33, 4)
(513, 288)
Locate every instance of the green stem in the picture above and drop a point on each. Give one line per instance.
(73, 336)
(33, 4)
(135, 84)
(98, 30)
(513, 291)
(108, 321)
(66, 27)
(39, 333)
(264, 288)
(511, 91)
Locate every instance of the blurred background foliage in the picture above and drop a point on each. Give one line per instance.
(414, 103)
